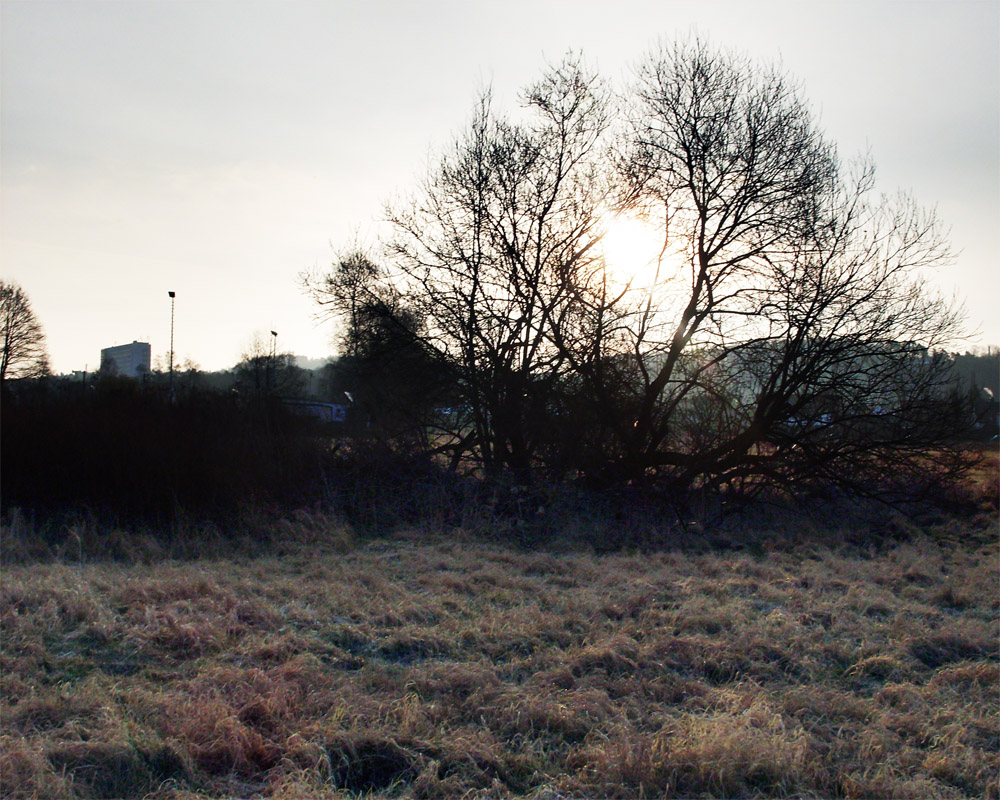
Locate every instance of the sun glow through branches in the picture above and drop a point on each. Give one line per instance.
(634, 252)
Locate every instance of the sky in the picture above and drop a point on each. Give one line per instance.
(220, 149)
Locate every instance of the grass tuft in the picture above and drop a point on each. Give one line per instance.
(938, 650)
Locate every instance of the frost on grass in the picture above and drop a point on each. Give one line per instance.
(453, 669)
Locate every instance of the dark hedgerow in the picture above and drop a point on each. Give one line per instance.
(124, 451)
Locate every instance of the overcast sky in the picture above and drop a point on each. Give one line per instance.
(218, 149)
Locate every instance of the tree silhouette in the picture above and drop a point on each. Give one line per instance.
(785, 338)
(794, 308)
(393, 377)
(24, 354)
(262, 373)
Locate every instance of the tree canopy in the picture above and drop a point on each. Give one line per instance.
(785, 335)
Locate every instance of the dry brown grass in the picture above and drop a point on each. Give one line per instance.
(448, 668)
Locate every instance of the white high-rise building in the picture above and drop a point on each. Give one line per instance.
(131, 360)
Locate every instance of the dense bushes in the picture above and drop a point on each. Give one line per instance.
(116, 467)
(118, 449)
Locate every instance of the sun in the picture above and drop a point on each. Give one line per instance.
(633, 250)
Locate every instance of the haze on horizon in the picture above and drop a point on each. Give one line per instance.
(220, 149)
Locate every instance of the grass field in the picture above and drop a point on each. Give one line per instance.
(445, 666)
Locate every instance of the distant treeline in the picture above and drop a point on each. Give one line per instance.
(979, 369)
(122, 450)
(296, 377)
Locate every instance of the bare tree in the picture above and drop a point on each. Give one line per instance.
(394, 378)
(262, 372)
(24, 354)
(495, 250)
(798, 311)
(785, 339)
(354, 284)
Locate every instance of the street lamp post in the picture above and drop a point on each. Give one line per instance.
(172, 296)
(274, 355)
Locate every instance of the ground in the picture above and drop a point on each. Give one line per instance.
(441, 665)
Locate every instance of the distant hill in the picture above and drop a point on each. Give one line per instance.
(981, 368)
(311, 363)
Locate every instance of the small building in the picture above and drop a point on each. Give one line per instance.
(129, 360)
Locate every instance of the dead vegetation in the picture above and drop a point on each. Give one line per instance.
(419, 666)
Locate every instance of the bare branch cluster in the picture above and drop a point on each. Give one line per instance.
(785, 339)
